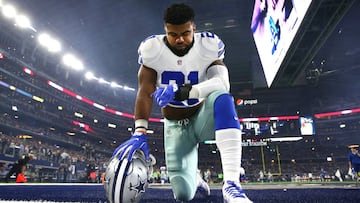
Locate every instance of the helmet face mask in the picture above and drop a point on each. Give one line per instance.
(127, 181)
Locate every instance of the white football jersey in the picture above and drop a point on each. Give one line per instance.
(188, 69)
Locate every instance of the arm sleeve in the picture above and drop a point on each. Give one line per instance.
(218, 79)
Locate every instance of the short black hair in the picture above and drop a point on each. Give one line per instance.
(178, 14)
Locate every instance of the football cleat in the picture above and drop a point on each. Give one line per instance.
(127, 181)
(202, 186)
(233, 193)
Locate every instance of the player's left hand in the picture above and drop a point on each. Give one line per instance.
(165, 95)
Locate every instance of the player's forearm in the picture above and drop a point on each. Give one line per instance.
(142, 115)
(143, 108)
(218, 80)
(144, 100)
(203, 89)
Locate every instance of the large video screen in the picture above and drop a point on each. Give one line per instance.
(307, 126)
(274, 25)
(270, 129)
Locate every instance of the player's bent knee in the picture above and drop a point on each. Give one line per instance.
(182, 189)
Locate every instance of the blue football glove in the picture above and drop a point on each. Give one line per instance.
(136, 142)
(165, 95)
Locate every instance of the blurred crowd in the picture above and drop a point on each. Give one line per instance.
(65, 164)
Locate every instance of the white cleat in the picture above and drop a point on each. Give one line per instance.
(233, 193)
(203, 188)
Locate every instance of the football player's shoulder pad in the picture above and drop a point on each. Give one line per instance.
(150, 47)
(211, 45)
(127, 181)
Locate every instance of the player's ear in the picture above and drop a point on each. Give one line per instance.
(194, 27)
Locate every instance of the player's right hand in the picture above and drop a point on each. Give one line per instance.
(136, 142)
(165, 95)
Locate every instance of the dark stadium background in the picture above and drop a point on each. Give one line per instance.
(106, 34)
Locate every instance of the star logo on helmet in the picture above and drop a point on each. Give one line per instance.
(139, 188)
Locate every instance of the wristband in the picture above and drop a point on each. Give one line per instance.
(140, 130)
(183, 92)
(141, 125)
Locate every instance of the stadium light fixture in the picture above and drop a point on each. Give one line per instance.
(77, 65)
(50, 43)
(128, 88)
(22, 21)
(89, 75)
(68, 59)
(102, 80)
(114, 84)
(54, 46)
(9, 11)
(73, 62)
(44, 39)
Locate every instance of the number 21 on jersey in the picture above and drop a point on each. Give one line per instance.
(178, 77)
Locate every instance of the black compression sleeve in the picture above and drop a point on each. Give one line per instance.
(183, 92)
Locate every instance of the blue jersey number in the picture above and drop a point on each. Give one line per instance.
(179, 78)
(208, 34)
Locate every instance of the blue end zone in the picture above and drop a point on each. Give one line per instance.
(96, 193)
(53, 192)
